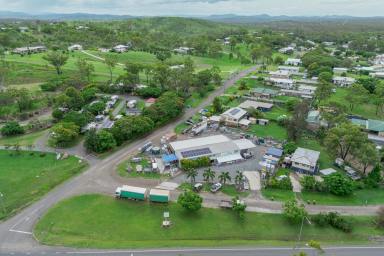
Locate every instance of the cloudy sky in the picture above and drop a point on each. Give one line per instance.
(200, 7)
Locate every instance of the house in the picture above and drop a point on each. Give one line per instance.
(263, 93)
(149, 102)
(377, 75)
(297, 93)
(307, 89)
(75, 47)
(280, 74)
(293, 62)
(29, 50)
(262, 106)
(378, 60)
(121, 48)
(314, 120)
(183, 50)
(343, 81)
(328, 43)
(273, 155)
(281, 82)
(232, 116)
(375, 127)
(287, 50)
(339, 71)
(23, 29)
(305, 160)
(219, 148)
(290, 69)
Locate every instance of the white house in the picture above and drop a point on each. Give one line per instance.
(290, 69)
(75, 47)
(307, 88)
(287, 50)
(183, 50)
(262, 106)
(379, 60)
(280, 74)
(29, 49)
(121, 48)
(377, 75)
(305, 160)
(293, 62)
(339, 71)
(343, 81)
(282, 83)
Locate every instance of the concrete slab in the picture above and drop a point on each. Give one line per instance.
(168, 185)
(296, 186)
(253, 179)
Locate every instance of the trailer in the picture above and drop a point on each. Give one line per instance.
(129, 192)
(159, 195)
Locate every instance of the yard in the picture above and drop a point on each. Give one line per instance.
(26, 177)
(23, 140)
(325, 160)
(271, 130)
(359, 197)
(95, 221)
(278, 194)
(122, 170)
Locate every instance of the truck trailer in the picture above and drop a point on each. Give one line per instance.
(159, 195)
(129, 192)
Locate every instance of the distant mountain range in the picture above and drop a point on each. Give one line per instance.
(227, 18)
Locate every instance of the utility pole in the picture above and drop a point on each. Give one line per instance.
(301, 230)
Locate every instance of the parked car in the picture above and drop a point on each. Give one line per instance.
(216, 187)
(247, 155)
(352, 173)
(197, 187)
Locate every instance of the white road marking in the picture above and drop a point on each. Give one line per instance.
(19, 231)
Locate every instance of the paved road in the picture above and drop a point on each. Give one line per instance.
(239, 251)
(16, 233)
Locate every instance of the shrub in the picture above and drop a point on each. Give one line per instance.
(11, 129)
(284, 183)
(190, 201)
(339, 184)
(293, 212)
(321, 219)
(289, 148)
(333, 219)
(200, 162)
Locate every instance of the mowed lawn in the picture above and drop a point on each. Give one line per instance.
(271, 130)
(278, 194)
(24, 178)
(96, 221)
(22, 140)
(359, 197)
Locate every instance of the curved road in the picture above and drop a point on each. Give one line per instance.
(16, 236)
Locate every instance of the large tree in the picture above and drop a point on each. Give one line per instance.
(111, 61)
(56, 59)
(356, 95)
(345, 139)
(190, 201)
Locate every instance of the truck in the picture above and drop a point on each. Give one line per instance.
(130, 192)
(159, 195)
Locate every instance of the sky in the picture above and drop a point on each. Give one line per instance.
(362, 8)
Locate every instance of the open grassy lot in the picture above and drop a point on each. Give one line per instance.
(25, 177)
(96, 221)
(359, 197)
(278, 194)
(271, 130)
(122, 170)
(23, 140)
(367, 110)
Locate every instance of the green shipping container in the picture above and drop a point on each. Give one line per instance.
(133, 193)
(159, 196)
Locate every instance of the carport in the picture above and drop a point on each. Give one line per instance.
(229, 158)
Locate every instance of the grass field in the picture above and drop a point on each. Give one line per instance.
(367, 110)
(24, 178)
(359, 197)
(23, 140)
(95, 221)
(231, 190)
(278, 194)
(122, 170)
(271, 130)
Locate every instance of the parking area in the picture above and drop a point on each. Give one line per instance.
(246, 165)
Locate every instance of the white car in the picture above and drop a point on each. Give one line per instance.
(216, 187)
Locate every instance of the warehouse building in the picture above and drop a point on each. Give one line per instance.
(219, 148)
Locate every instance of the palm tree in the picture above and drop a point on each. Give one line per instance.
(209, 175)
(192, 174)
(239, 179)
(224, 177)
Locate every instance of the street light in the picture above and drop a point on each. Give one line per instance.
(301, 230)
